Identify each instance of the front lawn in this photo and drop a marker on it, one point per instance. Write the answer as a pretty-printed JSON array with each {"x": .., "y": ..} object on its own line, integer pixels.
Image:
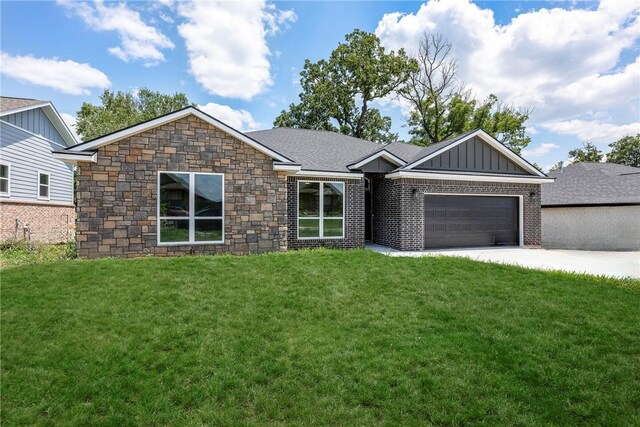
[{"x": 316, "y": 337}]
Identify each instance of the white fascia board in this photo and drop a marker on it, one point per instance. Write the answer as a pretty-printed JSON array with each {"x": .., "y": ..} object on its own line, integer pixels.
[
  {"x": 489, "y": 140},
  {"x": 323, "y": 174},
  {"x": 21, "y": 109},
  {"x": 74, "y": 158},
  {"x": 60, "y": 125},
  {"x": 287, "y": 167},
  {"x": 133, "y": 130},
  {"x": 390, "y": 157},
  {"x": 463, "y": 177}
]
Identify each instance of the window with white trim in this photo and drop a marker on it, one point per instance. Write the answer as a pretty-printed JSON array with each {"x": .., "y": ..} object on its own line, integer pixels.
[
  {"x": 191, "y": 208},
  {"x": 320, "y": 210},
  {"x": 4, "y": 179},
  {"x": 43, "y": 185}
]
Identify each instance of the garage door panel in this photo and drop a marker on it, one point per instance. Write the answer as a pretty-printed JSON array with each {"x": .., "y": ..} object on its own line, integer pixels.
[{"x": 463, "y": 221}]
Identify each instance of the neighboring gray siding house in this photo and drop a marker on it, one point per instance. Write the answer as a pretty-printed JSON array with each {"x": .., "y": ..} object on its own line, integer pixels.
[
  {"x": 592, "y": 206},
  {"x": 36, "y": 190},
  {"x": 187, "y": 183}
]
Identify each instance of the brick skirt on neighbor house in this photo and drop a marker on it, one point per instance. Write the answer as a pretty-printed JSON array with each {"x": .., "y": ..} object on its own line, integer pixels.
[{"x": 37, "y": 222}]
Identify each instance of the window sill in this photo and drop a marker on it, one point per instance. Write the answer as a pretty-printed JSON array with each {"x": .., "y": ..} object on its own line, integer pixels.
[
  {"x": 217, "y": 242},
  {"x": 322, "y": 238}
]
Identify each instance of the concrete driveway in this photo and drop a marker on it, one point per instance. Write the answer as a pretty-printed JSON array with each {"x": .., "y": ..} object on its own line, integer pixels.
[{"x": 614, "y": 264}]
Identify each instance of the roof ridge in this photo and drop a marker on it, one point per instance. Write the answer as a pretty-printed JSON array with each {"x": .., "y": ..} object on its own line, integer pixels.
[{"x": 317, "y": 130}]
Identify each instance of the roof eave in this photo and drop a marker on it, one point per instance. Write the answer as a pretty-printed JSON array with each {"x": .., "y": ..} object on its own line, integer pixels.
[
  {"x": 398, "y": 174},
  {"x": 75, "y": 157}
]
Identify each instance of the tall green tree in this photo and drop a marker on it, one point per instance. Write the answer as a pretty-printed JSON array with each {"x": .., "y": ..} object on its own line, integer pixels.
[
  {"x": 625, "y": 151},
  {"x": 441, "y": 106},
  {"x": 337, "y": 92},
  {"x": 122, "y": 109},
  {"x": 588, "y": 153}
]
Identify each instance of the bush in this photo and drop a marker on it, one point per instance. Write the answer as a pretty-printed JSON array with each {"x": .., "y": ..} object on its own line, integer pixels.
[{"x": 21, "y": 252}]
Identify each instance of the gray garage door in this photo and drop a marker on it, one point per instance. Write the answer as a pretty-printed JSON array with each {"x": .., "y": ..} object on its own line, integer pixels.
[{"x": 463, "y": 221}]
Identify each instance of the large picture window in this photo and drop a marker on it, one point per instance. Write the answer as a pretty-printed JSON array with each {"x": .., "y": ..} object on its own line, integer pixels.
[
  {"x": 191, "y": 208},
  {"x": 320, "y": 210}
]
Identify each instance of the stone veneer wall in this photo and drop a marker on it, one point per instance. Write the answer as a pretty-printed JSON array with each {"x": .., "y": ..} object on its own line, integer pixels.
[
  {"x": 353, "y": 221},
  {"x": 403, "y": 210},
  {"x": 37, "y": 222},
  {"x": 117, "y": 197}
]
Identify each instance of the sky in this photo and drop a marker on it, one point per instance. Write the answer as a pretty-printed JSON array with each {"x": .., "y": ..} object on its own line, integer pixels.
[{"x": 576, "y": 63}]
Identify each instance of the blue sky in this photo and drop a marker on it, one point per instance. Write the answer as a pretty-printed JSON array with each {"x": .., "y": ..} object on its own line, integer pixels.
[{"x": 576, "y": 63}]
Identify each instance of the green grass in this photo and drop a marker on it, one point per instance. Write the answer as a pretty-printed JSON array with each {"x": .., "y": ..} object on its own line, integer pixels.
[{"x": 316, "y": 338}]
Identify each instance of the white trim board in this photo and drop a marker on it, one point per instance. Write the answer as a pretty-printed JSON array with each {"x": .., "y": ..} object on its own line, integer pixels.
[
  {"x": 489, "y": 140},
  {"x": 73, "y": 158},
  {"x": 286, "y": 167},
  {"x": 520, "y": 209},
  {"x": 133, "y": 130},
  {"x": 21, "y": 109},
  {"x": 463, "y": 177},
  {"x": 388, "y": 156},
  {"x": 323, "y": 174}
]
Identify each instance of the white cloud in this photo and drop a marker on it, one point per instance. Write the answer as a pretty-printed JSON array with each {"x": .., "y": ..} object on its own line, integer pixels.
[
  {"x": 592, "y": 130},
  {"x": 138, "y": 40},
  {"x": 237, "y": 119},
  {"x": 71, "y": 123},
  {"x": 603, "y": 90},
  {"x": 563, "y": 62},
  {"x": 227, "y": 46},
  {"x": 66, "y": 76},
  {"x": 539, "y": 151}
]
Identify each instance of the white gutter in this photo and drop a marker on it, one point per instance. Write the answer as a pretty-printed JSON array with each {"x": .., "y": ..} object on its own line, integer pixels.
[
  {"x": 73, "y": 158},
  {"x": 321, "y": 174}
]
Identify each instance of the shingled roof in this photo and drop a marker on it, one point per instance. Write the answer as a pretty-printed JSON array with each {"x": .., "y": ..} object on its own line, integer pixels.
[
  {"x": 589, "y": 184},
  {"x": 316, "y": 149},
  {"x": 331, "y": 151},
  {"x": 8, "y": 103}
]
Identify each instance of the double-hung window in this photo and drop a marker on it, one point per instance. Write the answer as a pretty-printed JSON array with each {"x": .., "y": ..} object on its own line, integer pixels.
[
  {"x": 320, "y": 210},
  {"x": 4, "y": 179},
  {"x": 191, "y": 208},
  {"x": 43, "y": 186}
]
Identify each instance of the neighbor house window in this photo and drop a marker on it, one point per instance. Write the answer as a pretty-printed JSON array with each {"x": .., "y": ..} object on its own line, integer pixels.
[
  {"x": 320, "y": 210},
  {"x": 4, "y": 179},
  {"x": 191, "y": 207},
  {"x": 43, "y": 186}
]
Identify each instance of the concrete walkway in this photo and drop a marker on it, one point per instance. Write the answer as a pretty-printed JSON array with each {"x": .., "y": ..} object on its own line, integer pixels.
[{"x": 614, "y": 264}]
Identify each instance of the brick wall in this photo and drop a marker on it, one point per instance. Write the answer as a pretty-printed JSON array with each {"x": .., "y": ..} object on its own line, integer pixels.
[
  {"x": 37, "y": 222},
  {"x": 353, "y": 221},
  {"x": 399, "y": 211},
  {"x": 386, "y": 211},
  {"x": 117, "y": 197}
]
